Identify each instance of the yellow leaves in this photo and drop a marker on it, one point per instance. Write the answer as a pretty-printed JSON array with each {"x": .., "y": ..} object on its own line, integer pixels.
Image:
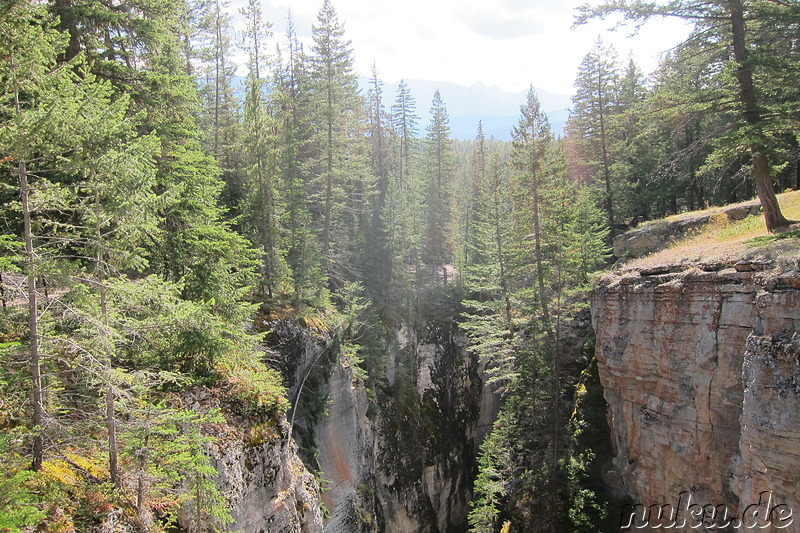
[
  {"x": 71, "y": 470},
  {"x": 91, "y": 466},
  {"x": 314, "y": 323},
  {"x": 61, "y": 472}
]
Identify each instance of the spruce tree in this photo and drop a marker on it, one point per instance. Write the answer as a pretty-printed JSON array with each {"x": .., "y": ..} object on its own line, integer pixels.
[
  {"x": 405, "y": 199},
  {"x": 439, "y": 154},
  {"x": 341, "y": 185},
  {"x": 595, "y": 103},
  {"x": 263, "y": 202},
  {"x": 727, "y": 23},
  {"x": 404, "y": 120},
  {"x": 291, "y": 103}
]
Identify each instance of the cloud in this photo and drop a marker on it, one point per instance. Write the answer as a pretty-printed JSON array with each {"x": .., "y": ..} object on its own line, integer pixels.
[
  {"x": 551, "y": 6},
  {"x": 496, "y": 25},
  {"x": 509, "y": 43}
]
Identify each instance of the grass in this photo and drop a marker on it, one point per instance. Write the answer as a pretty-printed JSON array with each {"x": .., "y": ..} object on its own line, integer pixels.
[{"x": 722, "y": 239}]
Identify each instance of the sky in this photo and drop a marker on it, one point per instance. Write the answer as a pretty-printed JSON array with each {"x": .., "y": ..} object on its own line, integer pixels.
[{"x": 512, "y": 44}]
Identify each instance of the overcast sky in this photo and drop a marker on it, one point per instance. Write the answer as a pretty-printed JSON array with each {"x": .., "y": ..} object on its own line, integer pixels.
[{"x": 508, "y": 43}]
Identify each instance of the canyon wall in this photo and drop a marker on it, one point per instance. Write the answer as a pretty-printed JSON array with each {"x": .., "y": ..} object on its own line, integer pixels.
[
  {"x": 259, "y": 472},
  {"x": 395, "y": 452},
  {"x": 699, "y": 366}
]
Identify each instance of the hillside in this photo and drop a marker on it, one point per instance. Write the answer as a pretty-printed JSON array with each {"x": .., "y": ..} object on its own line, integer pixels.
[{"x": 716, "y": 235}]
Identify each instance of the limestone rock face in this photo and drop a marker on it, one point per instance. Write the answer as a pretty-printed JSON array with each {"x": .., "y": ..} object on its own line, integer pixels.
[
  {"x": 267, "y": 485},
  {"x": 769, "y": 459},
  {"x": 700, "y": 372},
  {"x": 398, "y": 456}
]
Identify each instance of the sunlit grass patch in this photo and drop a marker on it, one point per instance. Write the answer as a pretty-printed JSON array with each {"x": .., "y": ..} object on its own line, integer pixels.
[{"x": 722, "y": 238}]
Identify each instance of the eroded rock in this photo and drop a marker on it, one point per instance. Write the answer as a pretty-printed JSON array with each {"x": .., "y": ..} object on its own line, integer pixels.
[{"x": 700, "y": 400}]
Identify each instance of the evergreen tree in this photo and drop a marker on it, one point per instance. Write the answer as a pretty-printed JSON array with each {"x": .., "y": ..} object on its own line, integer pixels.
[
  {"x": 377, "y": 254},
  {"x": 404, "y": 120},
  {"x": 220, "y": 118},
  {"x": 478, "y": 177},
  {"x": 263, "y": 199},
  {"x": 439, "y": 244},
  {"x": 342, "y": 188},
  {"x": 489, "y": 276},
  {"x": 633, "y": 162},
  {"x": 756, "y": 131},
  {"x": 405, "y": 199},
  {"x": 595, "y": 102},
  {"x": 291, "y": 101},
  {"x": 530, "y": 145},
  {"x": 89, "y": 178}
]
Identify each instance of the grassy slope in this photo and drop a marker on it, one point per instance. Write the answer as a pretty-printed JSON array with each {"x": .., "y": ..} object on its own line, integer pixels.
[{"x": 723, "y": 240}]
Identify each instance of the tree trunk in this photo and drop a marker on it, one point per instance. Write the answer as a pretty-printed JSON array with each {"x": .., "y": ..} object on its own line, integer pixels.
[
  {"x": 747, "y": 96},
  {"x": 33, "y": 319},
  {"x": 111, "y": 423},
  {"x": 606, "y": 163}
]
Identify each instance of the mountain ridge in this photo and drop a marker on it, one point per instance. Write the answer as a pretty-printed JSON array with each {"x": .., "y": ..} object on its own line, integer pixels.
[{"x": 497, "y": 108}]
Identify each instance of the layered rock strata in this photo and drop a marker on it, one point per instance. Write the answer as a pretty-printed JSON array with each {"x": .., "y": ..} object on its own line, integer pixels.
[{"x": 700, "y": 371}]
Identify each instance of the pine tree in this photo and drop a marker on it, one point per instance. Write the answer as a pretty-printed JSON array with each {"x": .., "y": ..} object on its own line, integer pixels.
[
  {"x": 754, "y": 133},
  {"x": 596, "y": 102},
  {"x": 439, "y": 245},
  {"x": 263, "y": 202},
  {"x": 378, "y": 258},
  {"x": 291, "y": 100},
  {"x": 404, "y": 120},
  {"x": 405, "y": 199},
  {"x": 220, "y": 118},
  {"x": 489, "y": 276},
  {"x": 633, "y": 162},
  {"x": 43, "y": 109},
  {"x": 342, "y": 189},
  {"x": 530, "y": 145},
  {"x": 479, "y": 167}
]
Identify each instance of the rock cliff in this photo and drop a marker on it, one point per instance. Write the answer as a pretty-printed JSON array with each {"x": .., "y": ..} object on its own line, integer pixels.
[
  {"x": 396, "y": 453},
  {"x": 700, "y": 369},
  {"x": 267, "y": 486}
]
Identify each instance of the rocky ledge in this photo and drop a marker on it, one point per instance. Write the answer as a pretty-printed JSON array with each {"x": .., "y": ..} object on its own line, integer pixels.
[
  {"x": 653, "y": 236},
  {"x": 701, "y": 372}
]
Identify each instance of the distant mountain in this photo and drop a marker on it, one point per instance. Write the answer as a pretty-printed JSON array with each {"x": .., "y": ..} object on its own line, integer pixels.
[{"x": 498, "y": 109}]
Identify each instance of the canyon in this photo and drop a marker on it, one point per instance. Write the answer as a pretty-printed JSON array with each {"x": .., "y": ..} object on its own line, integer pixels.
[
  {"x": 699, "y": 363},
  {"x": 399, "y": 456},
  {"x": 700, "y": 367}
]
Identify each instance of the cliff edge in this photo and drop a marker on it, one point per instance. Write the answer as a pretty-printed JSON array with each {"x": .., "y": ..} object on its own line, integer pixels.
[{"x": 700, "y": 365}]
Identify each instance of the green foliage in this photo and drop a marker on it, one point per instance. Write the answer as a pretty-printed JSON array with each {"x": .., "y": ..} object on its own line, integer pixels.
[
  {"x": 489, "y": 486},
  {"x": 439, "y": 244},
  {"x": 717, "y": 114},
  {"x": 19, "y": 503},
  {"x": 532, "y": 252},
  {"x": 258, "y": 387},
  {"x": 172, "y": 473}
]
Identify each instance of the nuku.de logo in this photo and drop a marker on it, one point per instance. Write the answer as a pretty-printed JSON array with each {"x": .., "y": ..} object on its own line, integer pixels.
[{"x": 754, "y": 517}]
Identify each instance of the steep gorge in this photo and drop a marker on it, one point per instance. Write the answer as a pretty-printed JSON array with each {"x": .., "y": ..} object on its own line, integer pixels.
[
  {"x": 395, "y": 454},
  {"x": 699, "y": 364}
]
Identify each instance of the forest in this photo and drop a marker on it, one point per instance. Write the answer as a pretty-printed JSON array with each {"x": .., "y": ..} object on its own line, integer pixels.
[{"x": 155, "y": 204}]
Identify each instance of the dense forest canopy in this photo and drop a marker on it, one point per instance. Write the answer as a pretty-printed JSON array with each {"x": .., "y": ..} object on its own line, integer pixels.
[{"x": 151, "y": 208}]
